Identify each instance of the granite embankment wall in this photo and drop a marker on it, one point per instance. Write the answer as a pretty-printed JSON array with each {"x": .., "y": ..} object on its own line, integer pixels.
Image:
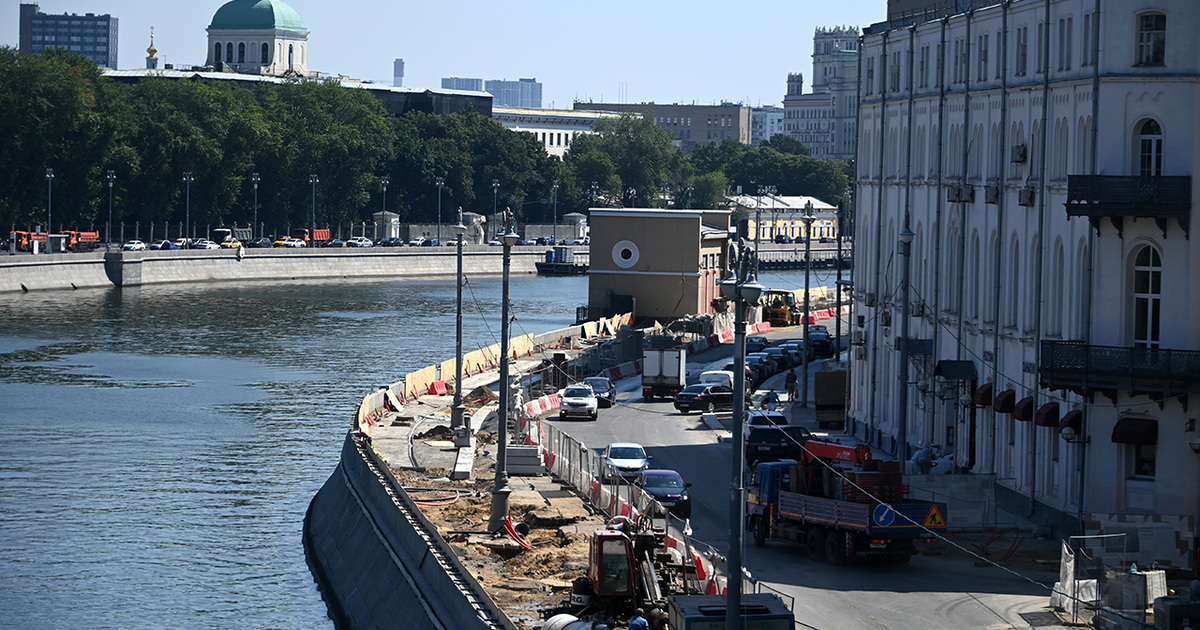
[{"x": 25, "y": 272}]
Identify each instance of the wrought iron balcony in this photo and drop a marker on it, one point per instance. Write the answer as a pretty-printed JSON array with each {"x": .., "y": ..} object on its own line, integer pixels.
[
  {"x": 1086, "y": 369},
  {"x": 1117, "y": 197}
]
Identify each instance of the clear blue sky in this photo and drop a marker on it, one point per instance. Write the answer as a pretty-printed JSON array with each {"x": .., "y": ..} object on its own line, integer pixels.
[{"x": 666, "y": 51}]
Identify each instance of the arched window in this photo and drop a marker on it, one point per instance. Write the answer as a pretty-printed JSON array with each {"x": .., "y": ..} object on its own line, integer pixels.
[
  {"x": 266, "y": 55},
  {"x": 291, "y": 56},
  {"x": 975, "y": 283},
  {"x": 1055, "y": 315},
  {"x": 1152, "y": 39},
  {"x": 1147, "y": 297},
  {"x": 1150, "y": 147},
  {"x": 1013, "y": 307},
  {"x": 217, "y": 52},
  {"x": 241, "y": 52},
  {"x": 229, "y": 52}
]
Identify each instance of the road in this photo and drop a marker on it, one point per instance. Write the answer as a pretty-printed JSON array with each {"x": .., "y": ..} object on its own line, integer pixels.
[{"x": 932, "y": 592}]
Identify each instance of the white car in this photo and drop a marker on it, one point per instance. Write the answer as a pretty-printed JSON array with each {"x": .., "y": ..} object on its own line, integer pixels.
[
  {"x": 295, "y": 242},
  {"x": 359, "y": 241},
  {"x": 578, "y": 401},
  {"x": 205, "y": 244},
  {"x": 134, "y": 246},
  {"x": 624, "y": 460}
]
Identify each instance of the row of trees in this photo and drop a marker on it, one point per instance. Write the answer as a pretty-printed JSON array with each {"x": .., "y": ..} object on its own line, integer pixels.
[{"x": 61, "y": 113}]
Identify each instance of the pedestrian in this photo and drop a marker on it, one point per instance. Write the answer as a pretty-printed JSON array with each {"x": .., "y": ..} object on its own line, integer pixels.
[
  {"x": 638, "y": 622},
  {"x": 791, "y": 382},
  {"x": 771, "y": 399}
]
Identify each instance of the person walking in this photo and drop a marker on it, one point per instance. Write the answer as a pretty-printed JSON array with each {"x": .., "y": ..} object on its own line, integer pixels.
[
  {"x": 791, "y": 382},
  {"x": 771, "y": 400}
]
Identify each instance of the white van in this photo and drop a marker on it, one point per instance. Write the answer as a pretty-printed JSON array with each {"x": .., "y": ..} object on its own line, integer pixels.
[{"x": 721, "y": 377}]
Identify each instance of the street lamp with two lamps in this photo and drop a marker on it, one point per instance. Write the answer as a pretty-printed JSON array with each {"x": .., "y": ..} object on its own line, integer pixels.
[
  {"x": 456, "y": 411},
  {"x": 312, "y": 179},
  {"x": 109, "y": 177},
  {"x": 187, "y": 210},
  {"x": 554, "y": 229},
  {"x": 49, "y": 204},
  {"x": 501, "y": 490},
  {"x": 439, "y": 182},
  {"x": 254, "y": 229},
  {"x": 632, "y": 197},
  {"x": 808, "y": 219},
  {"x": 495, "y": 215}
]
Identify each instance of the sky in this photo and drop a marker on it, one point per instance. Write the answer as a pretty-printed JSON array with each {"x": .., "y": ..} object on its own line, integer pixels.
[{"x": 621, "y": 51}]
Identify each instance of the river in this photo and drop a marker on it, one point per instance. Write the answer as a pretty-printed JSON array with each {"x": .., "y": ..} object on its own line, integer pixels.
[{"x": 159, "y": 445}]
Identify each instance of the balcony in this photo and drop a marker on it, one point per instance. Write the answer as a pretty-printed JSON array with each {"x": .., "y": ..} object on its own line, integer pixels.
[
  {"x": 1155, "y": 372},
  {"x": 1118, "y": 197}
]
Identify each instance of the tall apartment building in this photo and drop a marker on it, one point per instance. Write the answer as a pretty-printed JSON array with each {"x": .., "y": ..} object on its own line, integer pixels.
[
  {"x": 1026, "y": 286},
  {"x": 825, "y": 120},
  {"x": 765, "y": 122},
  {"x": 462, "y": 83},
  {"x": 692, "y": 125},
  {"x": 93, "y": 36},
  {"x": 520, "y": 93}
]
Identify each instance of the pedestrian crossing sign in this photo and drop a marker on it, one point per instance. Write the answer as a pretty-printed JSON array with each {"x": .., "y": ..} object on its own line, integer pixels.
[{"x": 934, "y": 517}]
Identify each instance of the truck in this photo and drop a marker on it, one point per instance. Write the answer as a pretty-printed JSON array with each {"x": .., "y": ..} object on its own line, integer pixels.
[
  {"x": 81, "y": 241},
  {"x": 829, "y": 397},
  {"x": 307, "y": 234},
  {"x": 780, "y": 308},
  {"x": 664, "y": 372},
  {"x": 839, "y": 512}
]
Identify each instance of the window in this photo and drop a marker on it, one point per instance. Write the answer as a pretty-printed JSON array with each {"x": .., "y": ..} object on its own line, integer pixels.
[
  {"x": 1143, "y": 460},
  {"x": 870, "y": 74},
  {"x": 265, "y": 54},
  {"x": 229, "y": 52},
  {"x": 217, "y": 52},
  {"x": 923, "y": 68},
  {"x": 1147, "y": 297},
  {"x": 999, "y": 50},
  {"x": 1152, "y": 39},
  {"x": 958, "y": 54},
  {"x": 1041, "y": 48},
  {"x": 1150, "y": 148},
  {"x": 983, "y": 58},
  {"x": 1022, "y": 50},
  {"x": 941, "y": 64},
  {"x": 896, "y": 71},
  {"x": 242, "y": 52}
]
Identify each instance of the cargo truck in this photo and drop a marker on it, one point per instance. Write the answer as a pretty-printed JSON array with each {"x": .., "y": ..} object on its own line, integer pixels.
[
  {"x": 664, "y": 372},
  {"x": 860, "y": 510},
  {"x": 308, "y": 234},
  {"x": 829, "y": 397}
]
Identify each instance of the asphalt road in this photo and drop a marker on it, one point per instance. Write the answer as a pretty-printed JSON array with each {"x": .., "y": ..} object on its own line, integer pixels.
[{"x": 932, "y": 592}]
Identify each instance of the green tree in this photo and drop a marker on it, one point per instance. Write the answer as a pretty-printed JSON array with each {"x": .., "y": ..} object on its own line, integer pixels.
[{"x": 641, "y": 150}]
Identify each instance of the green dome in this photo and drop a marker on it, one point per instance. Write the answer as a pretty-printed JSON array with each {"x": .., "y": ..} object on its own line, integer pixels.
[{"x": 256, "y": 15}]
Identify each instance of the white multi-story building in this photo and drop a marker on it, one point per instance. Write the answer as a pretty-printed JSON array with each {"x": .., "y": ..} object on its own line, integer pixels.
[
  {"x": 825, "y": 119},
  {"x": 555, "y": 129},
  {"x": 1036, "y": 156},
  {"x": 765, "y": 121}
]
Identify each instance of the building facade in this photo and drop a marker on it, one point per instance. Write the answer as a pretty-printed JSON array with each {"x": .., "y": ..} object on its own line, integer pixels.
[
  {"x": 462, "y": 83},
  {"x": 525, "y": 93},
  {"x": 263, "y": 37},
  {"x": 555, "y": 129},
  {"x": 826, "y": 118},
  {"x": 778, "y": 217},
  {"x": 93, "y": 36},
  {"x": 765, "y": 121},
  {"x": 1027, "y": 291},
  {"x": 692, "y": 125}
]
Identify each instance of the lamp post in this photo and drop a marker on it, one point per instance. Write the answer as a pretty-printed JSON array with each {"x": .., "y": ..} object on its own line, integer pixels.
[
  {"x": 595, "y": 187},
  {"x": 632, "y": 197},
  {"x": 439, "y": 182},
  {"x": 554, "y": 229},
  {"x": 456, "y": 412},
  {"x": 187, "y": 212},
  {"x": 109, "y": 177},
  {"x": 254, "y": 229},
  {"x": 495, "y": 215},
  {"x": 906, "y": 238},
  {"x": 501, "y": 491},
  {"x": 742, "y": 288},
  {"x": 49, "y": 204},
  {"x": 689, "y": 197},
  {"x": 312, "y": 179},
  {"x": 808, "y": 221}
]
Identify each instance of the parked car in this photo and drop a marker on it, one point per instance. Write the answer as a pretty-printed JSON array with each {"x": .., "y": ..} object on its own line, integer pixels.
[
  {"x": 161, "y": 245},
  {"x": 771, "y": 443},
  {"x": 452, "y": 243},
  {"x": 606, "y": 392},
  {"x": 783, "y": 359},
  {"x": 294, "y": 242},
  {"x": 416, "y": 242},
  {"x": 783, "y": 238},
  {"x": 232, "y": 243},
  {"x": 205, "y": 244},
  {"x": 261, "y": 242},
  {"x": 756, "y": 343},
  {"x": 334, "y": 242},
  {"x": 578, "y": 401},
  {"x": 183, "y": 243},
  {"x": 668, "y": 488},
  {"x": 826, "y": 239},
  {"x": 431, "y": 242},
  {"x": 764, "y": 363},
  {"x": 359, "y": 241},
  {"x": 704, "y": 397},
  {"x": 134, "y": 246},
  {"x": 623, "y": 460},
  {"x": 822, "y": 345}
]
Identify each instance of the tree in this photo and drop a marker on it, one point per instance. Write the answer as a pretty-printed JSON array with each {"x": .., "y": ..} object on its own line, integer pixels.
[
  {"x": 641, "y": 151},
  {"x": 784, "y": 143}
]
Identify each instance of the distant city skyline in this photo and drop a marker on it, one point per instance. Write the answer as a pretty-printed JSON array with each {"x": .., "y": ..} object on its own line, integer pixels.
[{"x": 669, "y": 52}]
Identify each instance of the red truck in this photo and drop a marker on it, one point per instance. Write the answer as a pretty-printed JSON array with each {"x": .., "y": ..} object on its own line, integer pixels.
[
  {"x": 306, "y": 234},
  {"x": 839, "y": 511}
]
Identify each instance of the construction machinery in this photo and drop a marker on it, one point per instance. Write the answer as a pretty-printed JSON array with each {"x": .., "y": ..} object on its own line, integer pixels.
[{"x": 780, "y": 308}]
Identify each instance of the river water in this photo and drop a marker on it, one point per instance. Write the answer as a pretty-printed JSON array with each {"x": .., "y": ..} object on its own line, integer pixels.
[{"x": 160, "y": 445}]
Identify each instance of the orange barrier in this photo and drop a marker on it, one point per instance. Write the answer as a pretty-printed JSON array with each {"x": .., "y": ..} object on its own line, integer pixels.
[{"x": 437, "y": 388}]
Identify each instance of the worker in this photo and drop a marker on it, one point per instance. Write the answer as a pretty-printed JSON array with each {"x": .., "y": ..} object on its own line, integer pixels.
[
  {"x": 791, "y": 382},
  {"x": 638, "y": 622}
]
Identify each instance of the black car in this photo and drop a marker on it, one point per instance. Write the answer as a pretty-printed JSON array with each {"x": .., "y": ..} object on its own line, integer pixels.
[
  {"x": 334, "y": 242},
  {"x": 756, "y": 343},
  {"x": 821, "y": 344},
  {"x": 606, "y": 392},
  {"x": 262, "y": 242},
  {"x": 704, "y": 397},
  {"x": 668, "y": 488},
  {"x": 765, "y": 443}
]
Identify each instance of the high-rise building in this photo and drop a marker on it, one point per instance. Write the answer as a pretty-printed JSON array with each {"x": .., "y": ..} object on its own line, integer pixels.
[
  {"x": 93, "y": 36},
  {"x": 463, "y": 83},
  {"x": 825, "y": 120},
  {"x": 398, "y": 73},
  {"x": 520, "y": 93},
  {"x": 692, "y": 125},
  {"x": 765, "y": 122}
]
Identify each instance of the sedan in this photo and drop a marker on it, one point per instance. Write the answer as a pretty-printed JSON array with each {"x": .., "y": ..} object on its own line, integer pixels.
[
  {"x": 606, "y": 392},
  {"x": 232, "y": 243},
  {"x": 772, "y": 443},
  {"x": 704, "y": 397},
  {"x": 134, "y": 246},
  {"x": 756, "y": 343},
  {"x": 578, "y": 401},
  {"x": 205, "y": 244},
  {"x": 668, "y": 488},
  {"x": 334, "y": 242},
  {"x": 262, "y": 242},
  {"x": 163, "y": 245},
  {"x": 359, "y": 241},
  {"x": 416, "y": 242},
  {"x": 623, "y": 460}
]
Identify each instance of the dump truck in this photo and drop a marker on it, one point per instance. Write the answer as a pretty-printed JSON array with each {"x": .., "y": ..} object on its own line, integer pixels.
[
  {"x": 836, "y": 511},
  {"x": 307, "y": 235},
  {"x": 664, "y": 372},
  {"x": 829, "y": 397}
]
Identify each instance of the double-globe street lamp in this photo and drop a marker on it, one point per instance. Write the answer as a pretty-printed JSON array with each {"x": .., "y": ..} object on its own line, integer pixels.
[
  {"x": 808, "y": 219},
  {"x": 439, "y": 182},
  {"x": 501, "y": 490},
  {"x": 254, "y": 229},
  {"x": 383, "y": 181},
  {"x": 109, "y": 177},
  {"x": 740, "y": 286},
  {"x": 495, "y": 215},
  {"x": 187, "y": 211},
  {"x": 312, "y": 179},
  {"x": 554, "y": 229},
  {"x": 456, "y": 412},
  {"x": 49, "y": 204}
]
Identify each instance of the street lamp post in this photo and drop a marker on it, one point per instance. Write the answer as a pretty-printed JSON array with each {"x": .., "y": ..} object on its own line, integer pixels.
[
  {"x": 595, "y": 187},
  {"x": 312, "y": 179},
  {"x": 439, "y": 182},
  {"x": 808, "y": 221},
  {"x": 187, "y": 211},
  {"x": 554, "y": 229},
  {"x": 254, "y": 229},
  {"x": 495, "y": 215},
  {"x": 742, "y": 288},
  {"x": 632, "y": 197},
  {"x": 906, "y": 239},
  {"x": 456, "y": 412},
  {"x": 689, "y": 197},
  {"x": 501, "y": 491},
  {"x": 49, "y": 204},
  {"x": 109, "y": 177}
]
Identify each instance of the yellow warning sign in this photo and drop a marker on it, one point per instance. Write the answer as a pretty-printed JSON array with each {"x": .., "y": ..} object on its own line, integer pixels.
[{"x": 934, "y": 517}]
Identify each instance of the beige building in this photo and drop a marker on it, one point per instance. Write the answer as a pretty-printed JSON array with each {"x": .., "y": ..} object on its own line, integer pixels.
[
  {"x": 660, "y": 264},
  {"x": 772, "y": 216},
  {"x": 692, "y": 125}
]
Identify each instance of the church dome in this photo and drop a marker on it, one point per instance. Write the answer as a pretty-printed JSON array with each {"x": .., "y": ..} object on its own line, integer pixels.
[{"x": 256, "y": 15}]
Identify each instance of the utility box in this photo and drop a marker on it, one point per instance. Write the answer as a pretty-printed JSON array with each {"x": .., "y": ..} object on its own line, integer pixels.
[{"x": 760, "y": 611}]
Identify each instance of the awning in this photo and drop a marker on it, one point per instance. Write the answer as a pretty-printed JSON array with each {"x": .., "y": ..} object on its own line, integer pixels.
[
  {"x": 1138, "y": 431},
  {"x": 1073, "y": 419},
  {"x": 955, "y": 370},
  {"x": 1005, "y": 401},
  {"x": 1023, "y": 409},
  {"x": 982, "y": 396},
  {"x": 1047, "y": 415}
]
